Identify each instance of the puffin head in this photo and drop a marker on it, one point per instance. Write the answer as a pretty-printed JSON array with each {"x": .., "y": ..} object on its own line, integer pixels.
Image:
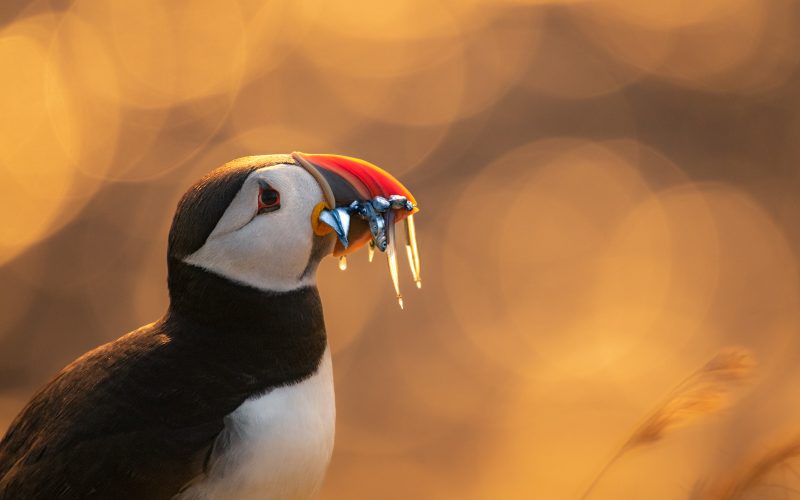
[{"x": 267, "y": 221}]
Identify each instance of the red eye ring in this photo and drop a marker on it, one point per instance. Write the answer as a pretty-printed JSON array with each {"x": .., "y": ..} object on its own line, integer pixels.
[{"x": 269, "y": 199}]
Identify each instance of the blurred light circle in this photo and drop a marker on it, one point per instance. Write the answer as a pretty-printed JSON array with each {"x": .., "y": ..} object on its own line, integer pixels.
[
  {"x": 568, "y": 66},
  {"x": 711, "y": 45},
  {"x": 445, "y": 74},
  {"x": 655, "y": 279},
  {"x": 84, "y": 68},
  {"x": 168, "y": 56},
  {"x": 42, "y": 135},
  {"x": 268, "y": 35},
  {"x": 431, "y": 95},
  {"x": 523, "y": 298},
  {"x": 143, "y": 146},
  {"x": 347, "y": 54},
  {"x": 293, "y": 98},
  {"x": 670, "y": 14},
  {"x": 375, "y": 65},
  {"x": 497, "y": 55},
  {"x": 388, "y": 20},
  {"x": 592, "y": 267},
  {"x": 751, "y": 50},
  {"x": 573, "y": 205},
  {"x": 155, "y": 142},
  {"x": 702, "y": 52},
  {"x": 398, "y": 149},
  {"x": 642, "y": 49},
  {"x": 758, "y": 288},
  {"x": 23, "y": 48}
]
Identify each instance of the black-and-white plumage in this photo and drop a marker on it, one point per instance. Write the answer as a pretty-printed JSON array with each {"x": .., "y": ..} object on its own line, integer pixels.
[{"x": 230, "y": 394}]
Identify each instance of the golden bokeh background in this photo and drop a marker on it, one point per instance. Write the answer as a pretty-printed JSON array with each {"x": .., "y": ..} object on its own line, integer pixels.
[{"x": 610, "y": 195}]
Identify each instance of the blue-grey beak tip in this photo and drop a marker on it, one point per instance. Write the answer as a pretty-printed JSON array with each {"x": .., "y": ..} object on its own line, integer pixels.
[{"x": 339, "y": 220}]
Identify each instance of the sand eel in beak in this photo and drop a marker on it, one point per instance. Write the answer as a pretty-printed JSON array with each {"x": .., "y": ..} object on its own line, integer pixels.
[{"x": 363, "y": 204}]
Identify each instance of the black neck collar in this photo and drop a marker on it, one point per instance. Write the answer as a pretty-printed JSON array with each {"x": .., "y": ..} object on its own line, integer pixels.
[{"x": 218, "y": 305}]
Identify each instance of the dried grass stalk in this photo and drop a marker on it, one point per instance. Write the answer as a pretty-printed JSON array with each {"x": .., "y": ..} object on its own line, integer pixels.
[
  {"x": 747, "y": 479},
  {"x": 705, "y": 391}
]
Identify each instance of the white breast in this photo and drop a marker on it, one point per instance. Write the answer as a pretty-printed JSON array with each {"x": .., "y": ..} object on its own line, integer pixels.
[{"x": 275, "y": 446}]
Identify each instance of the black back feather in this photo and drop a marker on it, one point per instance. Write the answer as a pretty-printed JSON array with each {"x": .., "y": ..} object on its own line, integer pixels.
[{"x": 136, "y": 418}]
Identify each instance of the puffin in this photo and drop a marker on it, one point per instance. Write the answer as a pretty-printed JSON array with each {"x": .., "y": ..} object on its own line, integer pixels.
[{"x": 230, "y": 394}]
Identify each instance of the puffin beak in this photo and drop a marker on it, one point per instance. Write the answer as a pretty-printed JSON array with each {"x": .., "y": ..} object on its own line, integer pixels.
[{"x": 362, "y": 205}]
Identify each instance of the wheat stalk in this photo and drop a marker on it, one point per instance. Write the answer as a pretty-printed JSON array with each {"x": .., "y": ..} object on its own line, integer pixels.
[{"x": 705, "y": 391}]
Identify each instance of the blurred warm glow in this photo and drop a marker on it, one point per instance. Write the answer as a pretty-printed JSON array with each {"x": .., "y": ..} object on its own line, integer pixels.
[{"x": 609, "y": 194}]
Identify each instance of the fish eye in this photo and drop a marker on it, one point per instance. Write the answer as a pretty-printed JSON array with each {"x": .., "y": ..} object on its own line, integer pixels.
[{"x": 269, "y": 199}]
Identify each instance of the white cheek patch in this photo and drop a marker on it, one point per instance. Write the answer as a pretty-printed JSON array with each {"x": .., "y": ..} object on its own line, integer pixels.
[{"x": 268, "y": 251}]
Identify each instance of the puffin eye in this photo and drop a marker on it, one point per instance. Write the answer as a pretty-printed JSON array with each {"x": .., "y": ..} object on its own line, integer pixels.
[{"x": 269, "y": 199}]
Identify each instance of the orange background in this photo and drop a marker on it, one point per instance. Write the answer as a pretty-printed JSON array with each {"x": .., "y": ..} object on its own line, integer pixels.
[{"x": 609, "y": 195}]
